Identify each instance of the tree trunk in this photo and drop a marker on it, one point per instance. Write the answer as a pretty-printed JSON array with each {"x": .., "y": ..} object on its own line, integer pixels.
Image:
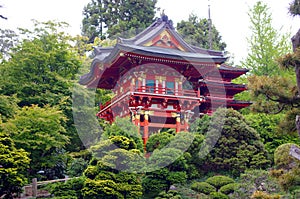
[{"x": 296, "y": 44}]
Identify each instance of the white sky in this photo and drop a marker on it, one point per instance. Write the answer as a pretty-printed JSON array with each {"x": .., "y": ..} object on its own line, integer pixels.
[{"x": 229, "y": 16}]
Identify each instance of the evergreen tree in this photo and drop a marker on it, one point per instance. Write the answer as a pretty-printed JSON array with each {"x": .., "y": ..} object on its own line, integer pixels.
[
  {"x": 109, "y": 18},
  {"x": 196, "y": 32}
]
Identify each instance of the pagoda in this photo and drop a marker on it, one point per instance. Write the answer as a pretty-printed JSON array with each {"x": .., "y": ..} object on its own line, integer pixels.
[{"x": 160, "y": 81}]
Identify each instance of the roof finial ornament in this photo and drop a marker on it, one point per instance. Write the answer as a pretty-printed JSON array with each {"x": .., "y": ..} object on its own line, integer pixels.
[{"x": 163, "y": 16}]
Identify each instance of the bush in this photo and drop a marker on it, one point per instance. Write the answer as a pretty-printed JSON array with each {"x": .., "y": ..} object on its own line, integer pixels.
[
  {"x": 218, "y": 195},
  {"x": 203, "y": 187},
  {"x": 238, "y": 146},
  {"x": 253, "y": 180},
  {"x": 171, "y": 194},
  {"x": 267, "y": 127},
  {"x": 282, "y": 159},
  {"x": 229, "y": 188},
  {"x": 219, "y": 181},
  {"x": 69, "y": 189},
  {"x": 263, "y": 195},
  {"x": 290, "y": 180}
]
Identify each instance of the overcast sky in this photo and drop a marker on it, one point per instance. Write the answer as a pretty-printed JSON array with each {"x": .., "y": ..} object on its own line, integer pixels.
[{"x": 229, "y": 16}]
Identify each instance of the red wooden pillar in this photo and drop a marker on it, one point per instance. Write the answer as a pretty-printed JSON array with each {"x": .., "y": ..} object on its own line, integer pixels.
[
  {"x": 146, "y": 128},
  {"x": 137, "y": 121},
  {"x": 186, "y": 123},
  {"x": 177, "y": 122}
]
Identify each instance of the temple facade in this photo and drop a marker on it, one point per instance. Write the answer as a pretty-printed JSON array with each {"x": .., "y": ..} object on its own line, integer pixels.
[{"x": 160, "y": 81}]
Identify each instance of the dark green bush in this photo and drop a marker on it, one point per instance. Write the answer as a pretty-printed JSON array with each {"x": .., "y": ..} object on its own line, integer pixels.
[
  {"x": 229, "y": 188},
  {"x": 236, "y": 146},
  {"x": 219, "y": 181},
  {"x": 203, "y": 187},
  {"x": 218, "y": 195}
]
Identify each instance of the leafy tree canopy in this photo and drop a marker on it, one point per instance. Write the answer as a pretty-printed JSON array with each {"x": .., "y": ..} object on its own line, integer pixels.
[
  {"x": 39, "y": 131},
  {"x": 109, "y": 18},
  {"x": 196, "y": 32}
]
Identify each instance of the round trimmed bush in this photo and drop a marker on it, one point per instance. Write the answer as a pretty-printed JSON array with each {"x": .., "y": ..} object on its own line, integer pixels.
[
  {"x": 228, "y": 189},
  {"x": 282, "y": 158},
  {"x": 203, "y": 187},
  {"x": 218, "y": 195},
  {"x": 219, "y": 181}
]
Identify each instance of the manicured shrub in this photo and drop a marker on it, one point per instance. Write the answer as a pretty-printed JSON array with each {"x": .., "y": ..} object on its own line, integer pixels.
[
  {"x": 236, "y": 146},
  {"x": 203, "y": 187},
  {"x": 219, "y": 181},
  {"x": 218, "y": 195},
  {"x": 229, "y": 188},
  {"x": 171, "y": 194}
]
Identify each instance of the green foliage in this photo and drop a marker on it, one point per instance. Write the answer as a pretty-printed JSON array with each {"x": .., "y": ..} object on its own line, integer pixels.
[
  {"x": 8, "y": 107},
  {"x": 69, "y": 189},
  {"x": 76, "y": 167},
  {"x": 49, "y": 64},
  {"x": 282, "y": 159},
  {"x": 40, "y": 132},
  {"x": 266, "y": 44},
  {"x": 273, "y": 94},
  {"x": 166, "y": 166},
  {"x": 203, "y": 187},
  {"x": 267, "y": 125},
  {"x": 113, "y": 173},
  {"x": 196, "y": 32},
  {"x": 219, "y": 181},
  {"x": 123, "y": 127},
  {"x": 13, "y": 165},
  {"x": 228, "y": 188},
  {"x": 171, "y": 194},
  {"x": 117, "y": 17},
  {"x": 8, "y": 40},
  {"x": 158, "y": 141},
  {"x": 253, "y": 180},
  {"x": 290, "y": 180},
  {"x": 218, "y": 195},
  {"x": 237, "y": 147}
]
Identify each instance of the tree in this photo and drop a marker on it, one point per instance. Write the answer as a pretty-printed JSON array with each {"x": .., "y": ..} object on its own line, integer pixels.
[
  {"x": 238, "y": 146},
  {"x": 49, "y": 64},
  {"x": 266, "y": 44},
  {"x": 8, "y": 40},
  {"x": 110, "y": 173},
  {"x": 196, "y": 32},
  {"x": 13, "y": 165},
  {"x": 108, "y": 18},
  {"x": 39, "y": 131}
]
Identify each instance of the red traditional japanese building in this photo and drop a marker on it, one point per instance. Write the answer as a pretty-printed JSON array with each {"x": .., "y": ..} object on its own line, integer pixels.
[{"x": 161, "y": 81}]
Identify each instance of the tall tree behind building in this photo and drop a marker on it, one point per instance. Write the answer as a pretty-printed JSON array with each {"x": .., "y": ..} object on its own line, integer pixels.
[
  {"x": 196, "y": 32},
  {"x": 105, "y": 18}
]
